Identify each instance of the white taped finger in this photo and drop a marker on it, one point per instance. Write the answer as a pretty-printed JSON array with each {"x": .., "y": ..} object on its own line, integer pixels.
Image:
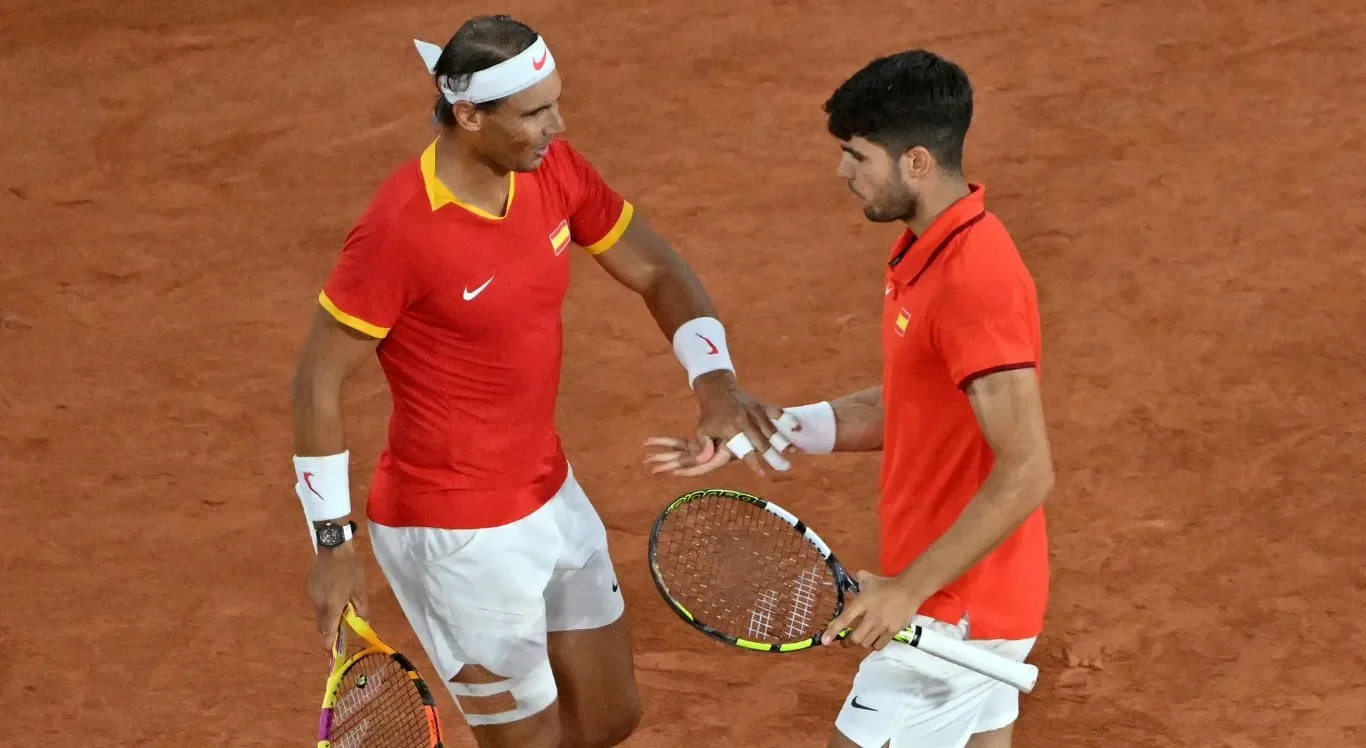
[
  {"x": 778, "y": 441},
  {"x": 740, "y": 446},
  {"x": 776, "y": 460},
  {"x": 787, "y": 421}
]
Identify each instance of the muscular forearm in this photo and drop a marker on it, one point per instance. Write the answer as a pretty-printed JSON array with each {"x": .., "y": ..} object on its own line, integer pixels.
[
  {"x": 858, "y": 421},
  {"x": 1006, "y": 499},
  {"x": 676, "y": 296},
  {"x": 318, "y": 425}
]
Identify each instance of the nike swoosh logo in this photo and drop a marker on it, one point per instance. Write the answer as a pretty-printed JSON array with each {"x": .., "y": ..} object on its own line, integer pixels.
[
  {"x": 471, "y": 294},
  {"x": 538, "y": 64},
  {"x": 857, "y": 705},
  {"x": 714, "y": 350},
  {"x": 308, "y": 481}
]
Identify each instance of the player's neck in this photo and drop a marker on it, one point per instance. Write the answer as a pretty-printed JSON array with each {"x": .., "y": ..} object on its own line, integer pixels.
[
  {"x": 936, "y": 199},
  {"x": 469, "y": 177}
]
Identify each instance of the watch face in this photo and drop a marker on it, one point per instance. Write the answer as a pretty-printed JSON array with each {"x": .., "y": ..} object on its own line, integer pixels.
[{"x": 330, "y": 535}]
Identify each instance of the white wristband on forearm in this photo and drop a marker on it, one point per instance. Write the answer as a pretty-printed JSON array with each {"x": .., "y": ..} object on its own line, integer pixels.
[
  {"x": 818, "y": 427},
  {"x": 324, "y": 485},
  {"x": 700, "y": 345}
]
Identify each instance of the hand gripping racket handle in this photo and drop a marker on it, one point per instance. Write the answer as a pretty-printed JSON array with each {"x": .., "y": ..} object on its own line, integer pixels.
[{"x": 1021, "y": 675}]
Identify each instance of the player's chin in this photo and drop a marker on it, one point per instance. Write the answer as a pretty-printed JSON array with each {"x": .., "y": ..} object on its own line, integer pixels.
[{"x": 872, "y": 213}]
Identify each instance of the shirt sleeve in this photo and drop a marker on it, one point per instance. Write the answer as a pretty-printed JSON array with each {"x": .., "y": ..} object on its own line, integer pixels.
[
  {"x": 598, "y": 216},
  {"x": 985, "y": 324},
  {"x": 370, "y": 285}
]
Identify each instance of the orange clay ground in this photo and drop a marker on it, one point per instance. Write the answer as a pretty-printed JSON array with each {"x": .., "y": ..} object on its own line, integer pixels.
[{"x": 1184, "y": 179}]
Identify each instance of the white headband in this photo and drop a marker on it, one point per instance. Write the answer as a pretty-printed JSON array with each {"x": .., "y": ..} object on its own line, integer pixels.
[{"x": 518, "y": 73}]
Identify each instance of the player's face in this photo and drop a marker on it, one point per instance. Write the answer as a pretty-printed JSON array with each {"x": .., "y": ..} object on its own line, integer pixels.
[
  {"x": 519, "y": 131},
  {"x": 875, "y": 178}
]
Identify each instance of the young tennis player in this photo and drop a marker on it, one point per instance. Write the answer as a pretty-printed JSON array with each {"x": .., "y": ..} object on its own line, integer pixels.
[
  {"x": 958, "y": 417},
  {"x": 454, "y": 277}
]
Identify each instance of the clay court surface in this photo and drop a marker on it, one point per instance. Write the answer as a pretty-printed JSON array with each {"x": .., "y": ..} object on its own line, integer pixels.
[{"x": 1184, "y": 179}]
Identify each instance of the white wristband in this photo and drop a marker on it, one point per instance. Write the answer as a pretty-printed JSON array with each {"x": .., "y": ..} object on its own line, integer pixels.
[
  {"x": 324, "y": 485},
  {"x": 700, "y": 345},
  {"x": 818, "y": 427}
]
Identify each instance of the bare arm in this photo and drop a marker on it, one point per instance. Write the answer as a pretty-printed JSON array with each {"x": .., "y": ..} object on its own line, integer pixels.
[
  {"x": 858, "y": 421},
  {"x": 1009, "y": 408},
  {"x": 643, "y": 262},
  {"x": 330, "y": 355}
]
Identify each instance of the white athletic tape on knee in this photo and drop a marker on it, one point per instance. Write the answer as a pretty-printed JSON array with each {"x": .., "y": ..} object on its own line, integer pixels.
[{"x": 532, "y": 693}]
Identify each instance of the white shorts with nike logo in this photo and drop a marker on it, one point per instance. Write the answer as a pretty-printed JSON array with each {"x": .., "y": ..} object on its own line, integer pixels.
[
  {"x": 905, "y": 697},
  {"x": 488, "y": 597}
]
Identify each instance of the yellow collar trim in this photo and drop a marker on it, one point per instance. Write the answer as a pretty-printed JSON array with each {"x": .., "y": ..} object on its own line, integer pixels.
[{"x": 440, "y": 195}]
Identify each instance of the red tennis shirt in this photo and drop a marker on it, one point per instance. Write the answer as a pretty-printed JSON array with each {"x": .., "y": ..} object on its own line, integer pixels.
[
  {"x": 959, "y": 304},
  {"x": 468, "y": 308}
]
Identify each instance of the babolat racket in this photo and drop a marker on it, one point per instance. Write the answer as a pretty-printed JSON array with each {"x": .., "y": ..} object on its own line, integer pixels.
[
  {"x": 374, "y": 697},
  {"x": 746, "y": 572}
]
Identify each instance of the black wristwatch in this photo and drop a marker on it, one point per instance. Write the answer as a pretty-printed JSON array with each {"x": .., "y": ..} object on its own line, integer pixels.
[{"x": 331, "y": 535}]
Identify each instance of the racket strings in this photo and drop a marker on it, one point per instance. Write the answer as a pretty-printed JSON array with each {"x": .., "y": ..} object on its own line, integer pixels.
[
  {"x": 744, "y": 571},
  {"x": 379, "y": 706}
]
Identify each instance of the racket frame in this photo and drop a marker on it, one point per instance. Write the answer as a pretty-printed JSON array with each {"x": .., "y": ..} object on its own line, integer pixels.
[
  {"x": 1022, "y": 676},
  {"x": 341, "y": 664},
  {"x": 836, "y": 569}
]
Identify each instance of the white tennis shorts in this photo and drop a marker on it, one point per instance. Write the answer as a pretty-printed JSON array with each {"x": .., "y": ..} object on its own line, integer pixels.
[
  {"x": 488, "y": 597},
  {"x": 907, "y": 697}
]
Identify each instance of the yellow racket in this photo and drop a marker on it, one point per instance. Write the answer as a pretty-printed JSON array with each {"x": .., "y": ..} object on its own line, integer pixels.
[{"x": 374, "y": 697}]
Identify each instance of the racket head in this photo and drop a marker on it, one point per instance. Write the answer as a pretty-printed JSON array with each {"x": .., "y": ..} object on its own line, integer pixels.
[
  {"x": 745, "y": 572},
  {"x": 374, "y": 696}
]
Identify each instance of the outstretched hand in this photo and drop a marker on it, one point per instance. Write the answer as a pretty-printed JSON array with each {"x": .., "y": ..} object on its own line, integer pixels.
[{"x": 702, "y": 454}]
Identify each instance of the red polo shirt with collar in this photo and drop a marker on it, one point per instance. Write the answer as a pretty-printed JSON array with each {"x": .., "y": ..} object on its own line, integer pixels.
[
  {"x": 467, "y": 306},
  {"x": 959, "y": 304}
]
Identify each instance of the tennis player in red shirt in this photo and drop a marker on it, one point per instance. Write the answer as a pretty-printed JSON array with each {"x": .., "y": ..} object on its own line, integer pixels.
[
  {"x": 958, "y": 418},
  {"x": 454, "y": 277}
]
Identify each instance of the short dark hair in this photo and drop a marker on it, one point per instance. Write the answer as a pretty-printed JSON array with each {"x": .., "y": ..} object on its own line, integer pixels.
[
  {"x": 480, "y": 43},
  {"x": 905, "y": 100}
]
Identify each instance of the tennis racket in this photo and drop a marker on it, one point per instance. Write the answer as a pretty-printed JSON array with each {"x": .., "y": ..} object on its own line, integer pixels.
[
  {"x": 374, "y": 697},
  {"x": 746, "y": 572}
]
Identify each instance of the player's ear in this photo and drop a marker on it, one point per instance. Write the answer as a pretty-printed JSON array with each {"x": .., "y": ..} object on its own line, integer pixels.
[
  {"x": 915, "y": 163},
  {"x": 468, "y": 117}
]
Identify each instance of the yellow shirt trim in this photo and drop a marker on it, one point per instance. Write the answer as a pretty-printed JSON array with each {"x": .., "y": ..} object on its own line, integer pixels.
[
  {"x": 440, "y": 195},
  {"x": 355, "y": 323},
  {"x": 607, "y": 242}
]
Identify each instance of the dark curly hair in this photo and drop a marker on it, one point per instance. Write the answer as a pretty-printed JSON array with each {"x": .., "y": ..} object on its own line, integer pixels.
[
  {"x": 480, "y": 43},
  {"x": 902, "y": 101}
]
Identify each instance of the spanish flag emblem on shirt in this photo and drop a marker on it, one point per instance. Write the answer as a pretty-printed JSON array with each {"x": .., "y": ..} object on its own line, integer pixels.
[
  {"x": 903, "y": 318},
  {"x": 559, "y": 238}
]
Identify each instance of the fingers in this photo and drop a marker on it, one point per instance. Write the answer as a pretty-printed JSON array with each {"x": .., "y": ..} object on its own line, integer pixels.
[
  {"x": 721, "y": 458},
  {"x": 328, "y": 613},
  {"x": 360, "y": 599},
  {"x": 843, "y": 621},
  {"x": 676, "y": 455},
  {"x": 741, "y": 445},
  {"x": 758, "y": 430}
]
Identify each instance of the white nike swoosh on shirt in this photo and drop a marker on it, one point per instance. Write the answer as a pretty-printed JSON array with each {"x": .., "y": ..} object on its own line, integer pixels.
[{"x": 471, "y": 294}]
